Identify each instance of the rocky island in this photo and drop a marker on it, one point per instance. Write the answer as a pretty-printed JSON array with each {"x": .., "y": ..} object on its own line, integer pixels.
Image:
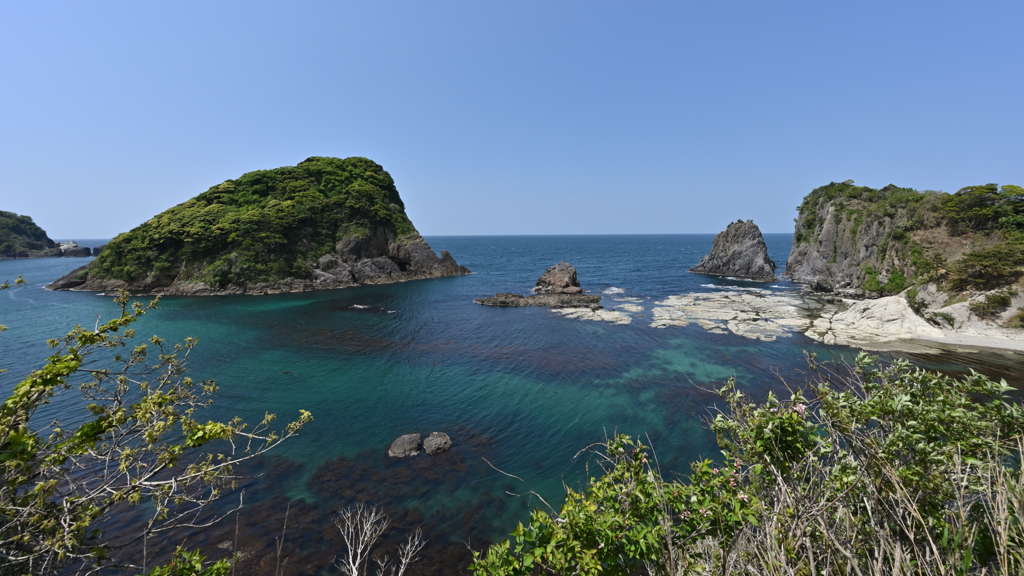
[
  {"x": 324, "y": 223},
  {"x": 739, "y": 251},
  {"x": 557, "y": 287}
]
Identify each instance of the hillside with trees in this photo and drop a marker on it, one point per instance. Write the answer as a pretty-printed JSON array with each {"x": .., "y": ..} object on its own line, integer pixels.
[
  {"x": 20, "y": 237},
  {"x": 270, "y": 231}
]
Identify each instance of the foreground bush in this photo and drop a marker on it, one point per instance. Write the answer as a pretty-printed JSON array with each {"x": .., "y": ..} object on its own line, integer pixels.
[
  {"x": 140, "y": 441},
  {"x": 890, "y": 470}
]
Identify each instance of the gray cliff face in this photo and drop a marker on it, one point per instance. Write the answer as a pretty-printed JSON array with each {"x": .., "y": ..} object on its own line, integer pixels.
[
  {"x": 838, "y": 242},
  {"x": 375, "y": 258},
  {"x": 738, "y": 251}
]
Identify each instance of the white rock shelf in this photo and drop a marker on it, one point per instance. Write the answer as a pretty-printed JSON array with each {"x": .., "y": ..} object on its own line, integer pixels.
[
  {"x": 756, "y": 314},
  {"x": 881, "y": 324}
]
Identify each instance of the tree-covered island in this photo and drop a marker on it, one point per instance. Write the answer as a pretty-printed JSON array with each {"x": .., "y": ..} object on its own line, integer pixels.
[{"x": 324, "y": 223}]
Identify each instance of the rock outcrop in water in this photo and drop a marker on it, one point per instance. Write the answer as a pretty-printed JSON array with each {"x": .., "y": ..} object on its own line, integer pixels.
[
  {"x": 405, "y": 445},
  {"x": 506, "y": 300},
  {"x": 325, "y": 223},
  {"x": 557, "y": 287},
  {"x": 436, "y": 443},
  {"x": 739, "y": 251},
  {"x": 559, "y": 279},
  {"x": 73, "y": 250}
]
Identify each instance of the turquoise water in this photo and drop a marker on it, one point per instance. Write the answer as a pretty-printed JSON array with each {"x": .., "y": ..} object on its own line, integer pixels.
[{"x": 522, "y": 390}]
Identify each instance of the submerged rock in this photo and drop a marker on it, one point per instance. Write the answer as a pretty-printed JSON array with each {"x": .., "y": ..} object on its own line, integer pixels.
[
  {"x": 405, "y": 445},
  {"x": 559, "y": 279},
  {"x": 739, "y": 251},
  {"x": 436, "y": 443}
]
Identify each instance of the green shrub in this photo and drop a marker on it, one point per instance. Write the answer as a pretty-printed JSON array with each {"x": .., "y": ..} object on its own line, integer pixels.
[
  {"x": 917, "y": 304},
  {"x": 993, "y": 304},
  {"x": 871, "y": 284},
  {"x": 882, "y": 470},
  {"x": 946, "y": 317},
  {"x": 1017, "y": 320},
  {"x": 988, "y": 268},
  {"x": 895, "y": 284}
]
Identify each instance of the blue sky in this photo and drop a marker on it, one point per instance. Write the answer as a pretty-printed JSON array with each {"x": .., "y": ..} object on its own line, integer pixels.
[{"x": 507, "y": 118}]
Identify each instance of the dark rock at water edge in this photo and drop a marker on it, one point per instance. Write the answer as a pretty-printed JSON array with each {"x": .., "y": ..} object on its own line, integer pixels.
[
  {"x": 73, "y": 250},
  {"x": 405, "y": 445},
  {"x": 436, "y": 443},
  {"x": 739, "y": 251},
  {"x": 97, "y": 249},
  {"x": 506, "y": 300},
  {"x": 559, "y": 279}
]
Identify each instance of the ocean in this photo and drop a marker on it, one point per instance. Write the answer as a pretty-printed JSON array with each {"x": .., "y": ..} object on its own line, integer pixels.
[{"x": 523, "y": 392}]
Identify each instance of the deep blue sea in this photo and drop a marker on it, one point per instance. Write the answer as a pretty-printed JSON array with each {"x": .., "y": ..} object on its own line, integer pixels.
[{"x": 522, "y": 390}]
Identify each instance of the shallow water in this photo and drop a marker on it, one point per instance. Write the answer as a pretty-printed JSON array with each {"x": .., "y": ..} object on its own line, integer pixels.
[{"x": 523, "y": 389}]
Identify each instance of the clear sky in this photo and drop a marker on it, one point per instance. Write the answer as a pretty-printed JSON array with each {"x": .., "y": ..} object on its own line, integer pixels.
[{"x": 508, "y": 117}]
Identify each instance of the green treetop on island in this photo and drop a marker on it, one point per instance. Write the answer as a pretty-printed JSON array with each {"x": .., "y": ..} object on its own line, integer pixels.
[{"x": 263, "y": 226}]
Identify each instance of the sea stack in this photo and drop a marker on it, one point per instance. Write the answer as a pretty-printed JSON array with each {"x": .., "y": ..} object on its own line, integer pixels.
[
  {"x": 558, "y": 279},
  {"x": 739, "y": 251}
]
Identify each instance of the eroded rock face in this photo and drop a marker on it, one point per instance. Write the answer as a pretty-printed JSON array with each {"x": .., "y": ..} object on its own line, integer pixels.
[
  {"x": 739, "y": 251},
  {"x": 559, "y": 279},
  {"x": 405, "y": 445},
  {"x": 436, "y": 443}
]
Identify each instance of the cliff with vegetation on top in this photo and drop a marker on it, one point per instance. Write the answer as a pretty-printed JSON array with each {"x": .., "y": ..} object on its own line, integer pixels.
[
  {"x": 957, "y": 258},
  {"x": 324, "y": 223}
]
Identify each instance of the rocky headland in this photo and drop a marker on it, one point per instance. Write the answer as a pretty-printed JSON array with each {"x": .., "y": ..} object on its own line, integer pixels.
[
  {"x": 914, "y": 265},
  {"x": 739, "y": 251},
  {"x": 324, "y": 223}
]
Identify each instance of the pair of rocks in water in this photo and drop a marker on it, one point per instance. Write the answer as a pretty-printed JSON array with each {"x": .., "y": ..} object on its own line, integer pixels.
[
  {"x": 557, "y": 287},
  {"x": 410, "y": 444}
]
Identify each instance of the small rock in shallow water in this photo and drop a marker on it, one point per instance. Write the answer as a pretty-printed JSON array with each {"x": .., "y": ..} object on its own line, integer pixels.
[
  {"x": 436, "y": 443},
  {"x": 405, "y": 445}
]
